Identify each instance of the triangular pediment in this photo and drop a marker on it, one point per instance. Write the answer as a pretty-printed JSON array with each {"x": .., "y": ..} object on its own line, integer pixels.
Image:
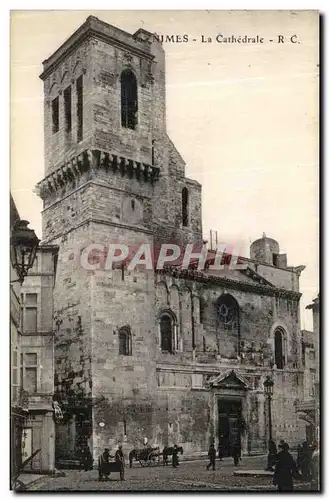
[
  {"x": 247, "y": 275},
  {"x": 229, "y": 379},
  {"x": 255, "y": 277}
]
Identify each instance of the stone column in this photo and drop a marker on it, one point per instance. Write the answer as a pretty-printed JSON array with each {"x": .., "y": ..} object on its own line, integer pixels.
[
  {"x": 72, "y": 435},
  {"x": 261, "y": 418},
  {"x": 48, "y": 442},
  {"x": 213, "y": 423},
  {"x": 245, "y": 403}
]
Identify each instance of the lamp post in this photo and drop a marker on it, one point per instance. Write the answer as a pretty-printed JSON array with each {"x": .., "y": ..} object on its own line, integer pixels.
[
  {"x": 23, "y": 248},
  {"x": 268, "y": 389}
]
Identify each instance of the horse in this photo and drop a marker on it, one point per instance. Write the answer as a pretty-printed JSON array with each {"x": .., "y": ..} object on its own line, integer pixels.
[{"x": 168, "y": 451}]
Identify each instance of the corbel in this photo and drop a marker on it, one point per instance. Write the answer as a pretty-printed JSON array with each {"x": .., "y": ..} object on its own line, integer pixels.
[{"x": 102, "y": 159}]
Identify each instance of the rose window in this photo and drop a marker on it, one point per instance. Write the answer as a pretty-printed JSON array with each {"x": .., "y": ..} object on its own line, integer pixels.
[{"x": 227, "y": 312}]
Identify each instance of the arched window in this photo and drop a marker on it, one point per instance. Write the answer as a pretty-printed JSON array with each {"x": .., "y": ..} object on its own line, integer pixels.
[
  {"x": 125, "y": 341},
  {"x": 129, "y": 105},
  {"x": 279, "y": 336},
  {"x": 185, "y": 206},
  {"x": 167, "y": 332}
]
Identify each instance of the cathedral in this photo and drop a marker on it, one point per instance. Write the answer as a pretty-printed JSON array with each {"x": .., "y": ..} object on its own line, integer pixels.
[{"x": 178, "y": 356}]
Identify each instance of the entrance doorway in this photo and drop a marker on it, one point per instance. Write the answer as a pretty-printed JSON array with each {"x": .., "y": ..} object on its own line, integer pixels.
[{"x": 229, "y": 424}]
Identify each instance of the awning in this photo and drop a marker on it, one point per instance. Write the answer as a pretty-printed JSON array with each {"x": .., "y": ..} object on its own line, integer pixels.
[{"x": 307, "y": 417}]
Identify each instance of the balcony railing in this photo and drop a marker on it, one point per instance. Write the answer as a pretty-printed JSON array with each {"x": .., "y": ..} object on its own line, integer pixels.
[{"x": 36, "y": 401}]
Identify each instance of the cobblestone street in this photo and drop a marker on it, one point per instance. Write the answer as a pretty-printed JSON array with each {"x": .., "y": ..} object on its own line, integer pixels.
[{"x": 190, "y": 476}]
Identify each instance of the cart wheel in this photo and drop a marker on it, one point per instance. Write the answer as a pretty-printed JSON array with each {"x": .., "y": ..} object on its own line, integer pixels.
[{"x": 155, "y": 460}]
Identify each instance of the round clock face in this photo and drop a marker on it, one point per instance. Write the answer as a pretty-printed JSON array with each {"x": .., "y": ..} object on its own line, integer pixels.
[{"x": 101, "y": 424}]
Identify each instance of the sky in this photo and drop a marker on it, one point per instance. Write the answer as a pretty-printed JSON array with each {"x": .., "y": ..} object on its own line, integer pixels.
[{"x": 243, "y": 116}]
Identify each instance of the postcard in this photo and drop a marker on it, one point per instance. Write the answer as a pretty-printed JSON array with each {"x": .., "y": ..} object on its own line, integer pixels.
[{"x": 164, "y": 251}]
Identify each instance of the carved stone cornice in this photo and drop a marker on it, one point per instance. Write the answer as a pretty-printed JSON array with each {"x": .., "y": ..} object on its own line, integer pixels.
[
  {"x": 202, "y": 277},
  {"x": 92, "y": 160}
]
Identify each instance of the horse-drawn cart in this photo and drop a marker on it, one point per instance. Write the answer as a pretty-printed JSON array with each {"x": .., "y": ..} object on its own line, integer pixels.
[
  {"x": 150, "y": 457},
  {"x": 147, "y": 457}
]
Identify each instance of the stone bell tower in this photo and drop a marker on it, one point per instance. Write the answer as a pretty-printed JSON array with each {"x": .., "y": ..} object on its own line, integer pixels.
[{"x": 111, "y": 175}]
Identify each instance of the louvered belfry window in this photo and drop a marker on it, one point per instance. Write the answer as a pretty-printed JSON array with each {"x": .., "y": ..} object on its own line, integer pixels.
[{"x": 129, "y": 104}]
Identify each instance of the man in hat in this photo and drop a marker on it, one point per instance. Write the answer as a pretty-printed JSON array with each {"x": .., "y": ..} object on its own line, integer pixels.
[
  {"x": 104, "y": 465},
  {"x": 285, "y": 469},
  {"x": 86, "y": 458},
  {"x": 221, "y": 447},
  {"x": 236, "y": 449},
  {"x": 271, "y": 457},
  {"x": 304, "y": 463},
  {"x": 119, "y": 459},
  {"x": 175, "y": 461},
  {"x": 212, "y": 457}
]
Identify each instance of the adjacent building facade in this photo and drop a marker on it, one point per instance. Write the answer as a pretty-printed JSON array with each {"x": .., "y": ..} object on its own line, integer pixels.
[
  {"x": 315, "y": 307},
  {"x": 178, "y": 356},
  {"x": 32, "y": 363},
  {"x": 18, "y": 400},
  {"x": 306, "y": 407},
  {"x": 37, "y": 360}
]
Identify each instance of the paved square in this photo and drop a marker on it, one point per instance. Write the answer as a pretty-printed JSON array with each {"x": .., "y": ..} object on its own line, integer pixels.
[{"x": 189, "y": 476}]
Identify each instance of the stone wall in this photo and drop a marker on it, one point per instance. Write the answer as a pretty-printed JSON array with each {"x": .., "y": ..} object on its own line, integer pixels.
[{"x": 281, "y": 278}]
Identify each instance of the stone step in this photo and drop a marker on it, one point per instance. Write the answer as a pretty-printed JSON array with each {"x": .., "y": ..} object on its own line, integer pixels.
[
  {"x": 253, "y": 472},
  {"x": 67, "y": 463}
]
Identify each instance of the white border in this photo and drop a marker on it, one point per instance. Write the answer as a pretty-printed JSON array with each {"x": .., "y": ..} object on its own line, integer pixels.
[{"x": 4, "y": 185}]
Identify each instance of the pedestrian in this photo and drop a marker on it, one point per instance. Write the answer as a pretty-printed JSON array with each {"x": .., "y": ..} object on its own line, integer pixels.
[
  {"x": 119, "y": 459},
  {"x": 221, "y": 447},
  {"x": 236, "y": 450},
  {"x": 87, "y": 458},
  {"x": 212, "y": 457},
  {"x": 104, "y": 465},
  {"x": 271, "y": 457},
  {"x": 315, "y": 470},
  {"x": 175, "y": 462},
  {"x": 305, "y": 460},
  {"x": 145, "y": 441},
  {"x": 299, "y": 456},
  {"x": 285, "y": 469}
]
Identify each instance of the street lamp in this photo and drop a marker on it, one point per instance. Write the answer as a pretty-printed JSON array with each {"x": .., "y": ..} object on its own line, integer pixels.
[
  {"x": 268, "y": 389},
  {"x": 23, "y": 248}
]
